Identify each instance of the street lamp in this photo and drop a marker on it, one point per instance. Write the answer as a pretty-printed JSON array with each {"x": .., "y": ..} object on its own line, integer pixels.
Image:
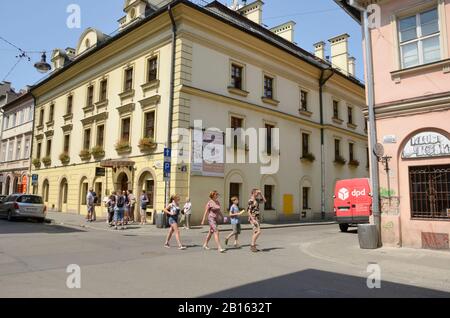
[{"x": 43, "y": 66}]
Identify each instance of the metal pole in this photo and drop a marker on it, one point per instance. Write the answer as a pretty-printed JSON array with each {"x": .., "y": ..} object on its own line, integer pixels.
[{"x": 372, "y": 127}]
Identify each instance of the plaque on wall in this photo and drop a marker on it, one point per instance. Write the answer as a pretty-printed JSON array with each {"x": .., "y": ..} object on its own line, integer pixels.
[{"x": 427, "y": 145}]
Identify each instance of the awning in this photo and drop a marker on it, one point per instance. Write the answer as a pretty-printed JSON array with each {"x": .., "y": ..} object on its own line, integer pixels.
[{"x": 117, "y": 163}]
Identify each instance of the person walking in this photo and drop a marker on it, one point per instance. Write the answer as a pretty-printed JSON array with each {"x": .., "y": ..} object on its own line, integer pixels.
[
  {"x": 235, "y": 222},
  {"x": 215, "y": 216},
  {"x": 94, "y": 215},
  {"x": 173, "y": 211},
  {"x": 126, "y": 207},
  {"x": 90, "y": 205},
  {"x": 144, "y": 202},
  {"x": 254, "y": 217},
  {"x": 110, "y": 206},
  {"x": 119, "y": 211},
  {"x": 187, "y": 213},
  {"x": 132, "y": 205}
]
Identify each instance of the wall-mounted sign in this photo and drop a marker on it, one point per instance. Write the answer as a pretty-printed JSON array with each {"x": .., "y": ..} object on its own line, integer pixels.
[
  {"x": 425, "y": 145},
  {"x": 34, "y": 179},
  {"x": 208, "y": 154},
  {"x": 100, "y": 172}
]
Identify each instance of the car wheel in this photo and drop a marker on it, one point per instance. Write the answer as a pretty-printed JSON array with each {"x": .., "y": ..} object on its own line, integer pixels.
[
  {"x": 10, "y": 216},
  {"x": 343, "y": 227},
  {"x": 40, "y": 220}
]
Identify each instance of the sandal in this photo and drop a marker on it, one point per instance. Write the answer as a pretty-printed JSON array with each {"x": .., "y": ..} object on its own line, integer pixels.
[
  {"x": 222, "y": 250},
  {"x": 167, "y": 245},
  {"x": 254, "y": 249},
  {"x": 205, "y": 247},
  {"x": 181, "y": 248}
]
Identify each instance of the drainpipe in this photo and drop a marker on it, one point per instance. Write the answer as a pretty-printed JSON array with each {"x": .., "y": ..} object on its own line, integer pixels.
[
  {"x": 31, "y": 144},
  {"x": 322, "y": 81},
  {"x": 171, "y": 94},
  {"x": 372, "y": 123}
]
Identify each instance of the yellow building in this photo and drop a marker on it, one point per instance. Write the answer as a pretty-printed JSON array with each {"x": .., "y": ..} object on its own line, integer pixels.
[{"x": 109, "y": 102}]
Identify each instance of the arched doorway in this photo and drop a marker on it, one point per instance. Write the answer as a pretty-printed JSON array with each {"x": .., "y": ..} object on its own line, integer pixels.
[
  {"x": 84, "y": 188},
  {"x": 45, "y": 190},
  {"x": 147, "y": 183},
  {"x": 8, "y": 186},
  {"x": 63, "y": 192},
  {"x": 122, "y": 182}
]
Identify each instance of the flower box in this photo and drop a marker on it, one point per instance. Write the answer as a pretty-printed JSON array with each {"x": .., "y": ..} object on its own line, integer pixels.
[
  {"x": 85, "y": 155},
  {"x": 47, "y": 161},
  {"x": 36, "y": 163},
  {"x": 64, "y": 158},
  {"x": 308, "y": 157},
  {"x": 98, "y": 152},
  {"x": 147, "y": 144},
  {"x": 123, "y": 146},
  {"x": 354, "y": 163},
  {"x": 340, "y": 160}
]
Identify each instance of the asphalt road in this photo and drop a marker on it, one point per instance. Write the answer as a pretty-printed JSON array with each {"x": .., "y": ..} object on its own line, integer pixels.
[{"x": 306, "y": 261}]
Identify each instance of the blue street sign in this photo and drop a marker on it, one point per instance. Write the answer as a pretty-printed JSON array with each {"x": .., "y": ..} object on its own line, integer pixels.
[
  {"x": 167, "y": 153},
  {"x": 34, "y": 179},
  {"x": 167, "y": 166}
]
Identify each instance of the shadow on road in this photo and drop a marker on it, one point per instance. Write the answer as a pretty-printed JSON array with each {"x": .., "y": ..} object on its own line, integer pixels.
[
  {"x": 24, "y": 226},
  {"x": 320, "y": 284}
]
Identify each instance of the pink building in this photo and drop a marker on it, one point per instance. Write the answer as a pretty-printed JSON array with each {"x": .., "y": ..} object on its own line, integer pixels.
[{"x": 410, "y": 41}]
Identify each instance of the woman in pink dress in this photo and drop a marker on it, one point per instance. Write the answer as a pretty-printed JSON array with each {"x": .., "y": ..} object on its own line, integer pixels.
[{"x": 215, "y": 216}]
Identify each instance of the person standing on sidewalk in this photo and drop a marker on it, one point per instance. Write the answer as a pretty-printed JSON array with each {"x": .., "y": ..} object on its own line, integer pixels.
[
  {"x": 90, "y": 205},
  {"x": 187, "y": 213},
  {"x": 144, "y": 202},
  {"x": 215, "y": 216},
  {"x": 132, "y": 205},
  {"x": 254, "y": 216},
  {"x": 111, "y": 205},
  {"x": 119, "y": 211},
  {"x": 173, "y": 211},
  {"x": 235, "y": 222},
  {"x": 126, "y": 207}
]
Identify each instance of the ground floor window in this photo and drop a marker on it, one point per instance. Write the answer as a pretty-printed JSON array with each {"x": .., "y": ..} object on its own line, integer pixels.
[
  {"x": 150, "y": 190},
  {"x": 305, "y": 196},
  {"x": 234, "y": 191},
  {"x": 98, "y": 190},
  {"x": 268, "y": 194},
  {"x": 45, "y": 190},
  {"x": 84, "y": 191},
  {"x": 430, "y": 192}
]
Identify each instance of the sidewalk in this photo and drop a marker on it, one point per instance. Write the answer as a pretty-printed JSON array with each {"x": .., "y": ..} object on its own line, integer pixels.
[{"x": 75, "y": 220}]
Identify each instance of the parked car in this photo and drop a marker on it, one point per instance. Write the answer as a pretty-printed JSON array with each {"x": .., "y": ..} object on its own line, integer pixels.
[
  {"x": 23, "y": 206},
  {"x": 2, "y": 197},
  {"x": 352, "y": 202}
]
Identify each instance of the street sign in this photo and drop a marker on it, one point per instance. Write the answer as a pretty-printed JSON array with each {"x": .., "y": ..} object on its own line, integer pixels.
[
  {"x": 167, "y": 166},
  {"x": 378, "y": 150},
  {"x": 34, "y": 179},
  {"x": 167, "y": 153},
  {"x": 167, "y": 163},
  {"x": 100, "y": 172}
]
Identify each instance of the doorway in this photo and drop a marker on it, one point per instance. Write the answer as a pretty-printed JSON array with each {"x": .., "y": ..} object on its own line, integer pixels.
[
  {"x": 235, "y": 191},
  {"x": 122, "y": 182},
  {"x": 63, "y": 192}
]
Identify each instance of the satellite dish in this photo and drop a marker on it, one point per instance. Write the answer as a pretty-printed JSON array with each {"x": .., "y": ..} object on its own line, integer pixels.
[{"x": 378, "y": 150}]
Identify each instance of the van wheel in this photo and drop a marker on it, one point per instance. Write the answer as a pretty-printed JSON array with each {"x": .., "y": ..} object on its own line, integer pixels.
[{"x": 343, "y": 227}]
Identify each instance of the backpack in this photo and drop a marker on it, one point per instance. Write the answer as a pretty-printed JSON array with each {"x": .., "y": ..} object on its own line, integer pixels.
[{"x": 120, "y": 201}]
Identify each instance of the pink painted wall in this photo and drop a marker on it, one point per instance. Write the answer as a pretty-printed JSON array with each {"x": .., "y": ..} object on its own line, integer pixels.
[{"x": 418, "y": 84}]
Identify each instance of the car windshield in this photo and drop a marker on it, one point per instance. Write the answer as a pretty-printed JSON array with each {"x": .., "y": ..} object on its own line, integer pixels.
[{"x": 30, "y": 199}]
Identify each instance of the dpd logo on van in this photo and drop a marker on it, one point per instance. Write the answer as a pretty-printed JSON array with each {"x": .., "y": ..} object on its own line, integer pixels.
[{"x": 343, "y": 194}]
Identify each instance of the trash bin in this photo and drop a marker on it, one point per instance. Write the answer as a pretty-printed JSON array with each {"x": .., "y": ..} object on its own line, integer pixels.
[
  {"x": 161, "y": 220},
  {"x": 368, "y": 236}
]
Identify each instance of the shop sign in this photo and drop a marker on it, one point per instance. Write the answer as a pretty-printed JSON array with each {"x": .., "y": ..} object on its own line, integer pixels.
[{"x": 427, "y": 145}]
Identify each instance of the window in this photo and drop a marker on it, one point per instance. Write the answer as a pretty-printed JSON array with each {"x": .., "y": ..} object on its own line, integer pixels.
[
  {"x": 90, "y": 96},
  {"x": 149, "y": 125},
  {"x": 84, "y": 191},
  {"x": 41, "y": 117},
  {"x": 268, "y": 87},
  {"x": 268, "y": 194},
  {"x": 26, "y": 151},
  {"x": 10, "y": 150},
  {"x": 430, "y": 192},
  {"x": 66, "y": 143},
  {"x": 335, "y": 109},
  {"x": 22, "y": 116},
  {"x": 51, "y": 113},
  {"x": 65, "y": 192},
  {"x": 87, "y": 139},
  {"x": 30, "y": 113},
  {"x": 236, "y": 123},
  {"x": 419, "y": 38},
  {"x": 39, "y": 150},
  {"x": 13, "y": 119},
  {"x": 305, "y": 144},
  {"x": 49, "y": 148},
  {"x": 337, "y": 149},
  {"x": 5, "y": 122},
  {"x": 98, "y": 189},
  {"x": 304, "y": 100},
  {"x": 125, "y": 133},
  {"x": 305, "y": 196},
  {"x": 103, "y": 90},
  {"x": 236, "y": 76},
  {"x": 18, "y": 148},
  {"x": 100, "y": 135},
  {"x": 269, "y": 129},
  {"x": 3, "y": 151},
  {"x": 128, "y": 80},
  {"x": 351, "y": 154},
  {"x": 69, "y": 105},
  {"x": 152, "y": 65},
  {"x": 350, "y": 115},
  {"x": 365, "y": 125}
]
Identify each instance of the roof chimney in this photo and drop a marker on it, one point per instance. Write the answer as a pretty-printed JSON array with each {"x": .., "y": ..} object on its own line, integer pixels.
[
  {"x": 352, "y": 66},
  {"x": 285, "y": 30},
  {"x": 319, "y": 50},
  {"x": 253, "y": 11},
  {"x": 339, "y": 52}
]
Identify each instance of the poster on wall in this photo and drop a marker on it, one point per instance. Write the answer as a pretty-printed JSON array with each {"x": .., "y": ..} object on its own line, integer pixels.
[
  {"x": 426, "y": 145},
  {"x": 208, "y": 153}
]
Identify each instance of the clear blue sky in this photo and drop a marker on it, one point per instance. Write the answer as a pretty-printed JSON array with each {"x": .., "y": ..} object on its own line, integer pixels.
[{"x": 41, "y": 25}]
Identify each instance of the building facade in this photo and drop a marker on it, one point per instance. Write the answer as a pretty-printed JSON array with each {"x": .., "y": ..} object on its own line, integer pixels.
[
  {"x": 412, "y": 96},
  {"x": 105, "y": 115}
]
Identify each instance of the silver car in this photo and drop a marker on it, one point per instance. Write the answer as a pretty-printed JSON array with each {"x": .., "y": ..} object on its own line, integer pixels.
[{"x": 23, "y": 206}]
